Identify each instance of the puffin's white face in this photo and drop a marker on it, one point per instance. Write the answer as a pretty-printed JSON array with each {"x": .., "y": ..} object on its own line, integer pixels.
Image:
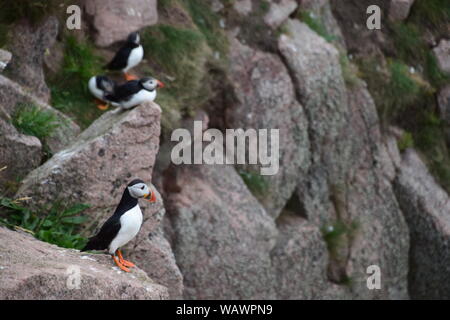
[
  {"x": 139, "y": 190},
  {"x": 151, "y": 84}
]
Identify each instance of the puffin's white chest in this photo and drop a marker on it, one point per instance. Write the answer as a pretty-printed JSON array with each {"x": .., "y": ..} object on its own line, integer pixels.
[
  {"x": 135, "y": 57},
  {"x": 130, "y": 222},
  {"x": 139, "y": 98},
  {"x": 98, "y": 93}
]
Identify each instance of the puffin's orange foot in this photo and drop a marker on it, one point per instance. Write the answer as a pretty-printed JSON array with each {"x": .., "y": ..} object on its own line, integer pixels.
[
  {"x": 123, "y": 261},
  {"x": 130, "y": 77},
  {"x": 102, "y": 107},
  {"x": 128, "y": 264},
  {"x": 121, "y": 266}
]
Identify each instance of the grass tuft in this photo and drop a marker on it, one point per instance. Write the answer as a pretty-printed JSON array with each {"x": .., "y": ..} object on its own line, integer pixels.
[
  {"x": 405, "y": 142},
  {"x": 57, "y": 225},
  {"x": 401, "y": 82},
  {"x": 335, "y": 234},
  {"x": 433, "y": 14},
  {"x": 33, "y": 10},
  {"x": 255, "y": 182},
  {"x": 70, "y": 93},
  {"x": 397, "y": 94},
  {"x": 182, "y": 55},
  {"x": 264, "y": 6},
  {"x": 32, "y": 121},
  {"x": 208, "y": 23},
  {"x": 350, "y": 72},
  {"x": 315, "y": 23},
  {"x": 412, "y": 48}
]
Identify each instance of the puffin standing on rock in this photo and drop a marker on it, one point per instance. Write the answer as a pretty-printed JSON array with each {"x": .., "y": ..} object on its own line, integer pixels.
[
  {"x": 128, "y": 56},
  {"x": 134, "y": 92},
  {"x": 123, "y": 225},
  {"x": 100, "y": 86}
]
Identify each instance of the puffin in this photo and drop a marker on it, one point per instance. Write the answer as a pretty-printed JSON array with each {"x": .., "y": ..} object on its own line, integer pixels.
[
  {"x": 100, "y": 86},
  {"x": 123, "y": 225},
  {"x": 134, "y": 92},
  {"x": 128, "y": 56}
]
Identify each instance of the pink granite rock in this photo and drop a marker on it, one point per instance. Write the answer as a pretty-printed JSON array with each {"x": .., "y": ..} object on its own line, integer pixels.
[
  {"x": 113, "y": 20},
  {"x": 35, "y": 270}
]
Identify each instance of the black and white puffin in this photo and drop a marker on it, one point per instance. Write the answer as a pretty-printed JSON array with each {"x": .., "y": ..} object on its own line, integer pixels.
[
  {"x": 100, "y": 86},
  {"x": 134, "y": 92},
  {"x": 128, "y": 56},
  {"x": 123, "y": 225}
]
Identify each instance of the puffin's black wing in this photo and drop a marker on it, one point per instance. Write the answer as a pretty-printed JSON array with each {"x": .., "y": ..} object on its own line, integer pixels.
[
  {"x": 120, "y": 60},
  {"x": 125, "y": 91},
  {"x": 106, "y": 84},
  {"x": 107, "y": 233}
]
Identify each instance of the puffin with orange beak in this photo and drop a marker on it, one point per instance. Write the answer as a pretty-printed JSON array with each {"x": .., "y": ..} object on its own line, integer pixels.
[
  {"x": 134, "y": 92},
  {"x": 123, "y": 225}
]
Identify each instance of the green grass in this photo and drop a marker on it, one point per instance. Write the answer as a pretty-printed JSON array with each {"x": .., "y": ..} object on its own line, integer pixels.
[
  {"x": 411, "y": 48},
  {"x": 349, "y": 71},
  {"x": 70, "y": 93},
  {"x": 430, "y": 139},
  {"x": 182, "y": 55},
  {"x": 168, "y": 46},
  {"x": 437, "y": 77},
  {"x": 408, "y": 42},
  {"x": 264, "y": 6},
  {"x": 393, "y": 87},
  {"x": 32, "y": 121},
  {"x": 405, "y": 142},
  {"x": 408, "y": 100},
  {"x": 255, "y": 182},
  {"x": 315, "y": 23},
  {"x": 33, "y": 10},
  {"x": 57, "y": 225},
  {"x": 402, "y": 84},
  {"x": 433, "y": 14},
  {"x": 208, "y": 23},
  {"x": 334, "y": 235}
]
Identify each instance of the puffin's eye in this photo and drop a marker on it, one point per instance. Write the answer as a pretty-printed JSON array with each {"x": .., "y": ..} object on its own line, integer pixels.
[{"x": 143, "y": 187}]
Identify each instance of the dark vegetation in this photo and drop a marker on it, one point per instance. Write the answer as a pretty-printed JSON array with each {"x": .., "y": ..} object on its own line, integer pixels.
[
  {"x": 256, "y": 183},
  {"x": 56, "y": 224},
  {"x": 32, "y": 121},
  {"x": 70, "y": 93},
  {"x": 408, "y": 98},
  {"x": 33, "y": 10}
]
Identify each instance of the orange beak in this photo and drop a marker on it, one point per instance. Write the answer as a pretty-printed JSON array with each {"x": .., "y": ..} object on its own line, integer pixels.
[
  {"x": 151, "y": 197},
  {"x": 160, "y": 84}
]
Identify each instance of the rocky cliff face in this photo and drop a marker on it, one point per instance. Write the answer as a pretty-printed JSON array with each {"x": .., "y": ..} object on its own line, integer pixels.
[
  {"x": 347, "y": 195},
  {"x": 31, "y": 270}
]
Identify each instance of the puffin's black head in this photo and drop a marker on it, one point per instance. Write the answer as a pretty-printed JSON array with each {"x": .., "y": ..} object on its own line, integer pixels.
[
  {"x": 134, "y": 38},
  {"x": 138, "y": 189},
  {"x": 150, "y": 83}
]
